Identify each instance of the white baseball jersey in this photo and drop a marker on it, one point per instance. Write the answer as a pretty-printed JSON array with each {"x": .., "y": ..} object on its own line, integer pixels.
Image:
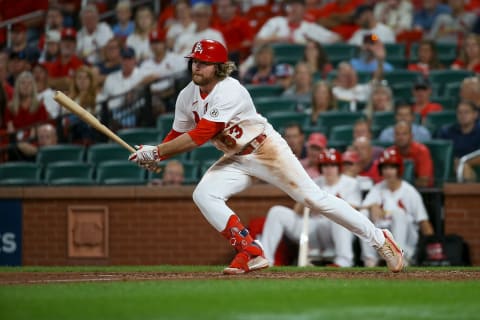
[
  {"x": 170, "y": 65},
  {"x": 347, "y": 188},
  {"x": 141, "y": 46},
  {"x": 278, "y": 26}
]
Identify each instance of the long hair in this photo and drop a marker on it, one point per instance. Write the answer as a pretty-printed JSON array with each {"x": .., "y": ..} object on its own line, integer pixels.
[
  {"x": 332, "y": 101},
  {"x": 137, "y": 23},
  {"x": 223, "y": 70},
  {"x": 35, "y": 103},
  {"x": 434, "y": 63},
  {"x": 322, "y": 59},
  {"x": 463, "y": 53},
  {"x": 87, "y": 99}
]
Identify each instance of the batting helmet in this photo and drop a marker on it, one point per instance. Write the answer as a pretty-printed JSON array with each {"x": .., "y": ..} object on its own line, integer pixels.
[
  {"x": 330, "y": 156},
  {"x": 207, "y": 50},
  {"x": 391, "y": 157}
]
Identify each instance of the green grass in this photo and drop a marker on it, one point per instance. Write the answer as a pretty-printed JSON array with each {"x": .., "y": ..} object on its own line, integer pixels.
[{"x": 237, "y": 298}]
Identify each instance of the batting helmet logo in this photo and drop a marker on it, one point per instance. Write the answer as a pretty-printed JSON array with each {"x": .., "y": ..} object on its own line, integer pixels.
[
  {"x": 209, "y": 51},
  {"x": 391, "y": 157},
  {"x": 198, "y": 48}
]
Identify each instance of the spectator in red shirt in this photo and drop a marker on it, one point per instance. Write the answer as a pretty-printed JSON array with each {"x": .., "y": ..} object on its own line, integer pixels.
[
  {"x": 416, "y": 151},
  {"x": 235, "y": 29},
  {"x": 25, "y": 110},
  {"x": 427, "y": 58},
  {"x": 422, "y": 91},
  {"x": 469, "y": 58},
  {"x": 61, "y": 70}
]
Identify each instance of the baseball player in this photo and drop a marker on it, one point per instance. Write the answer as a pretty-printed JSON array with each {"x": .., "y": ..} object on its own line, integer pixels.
[
  {"x": 216, "y": 107},
  {"x": 332, "y": 239},
  {"x": 397, "y": 205}
]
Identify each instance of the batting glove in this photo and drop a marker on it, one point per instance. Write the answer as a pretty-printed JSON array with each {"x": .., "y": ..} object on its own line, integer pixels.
[{"x": 145, "y": 154}]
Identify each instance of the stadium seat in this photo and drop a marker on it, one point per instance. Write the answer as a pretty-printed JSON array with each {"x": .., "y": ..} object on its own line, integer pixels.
[
  {"x": 280, "y": 120},
  {"x": 292, "y": 50},
  {"x": 395, "y": 50},
  {"x": 206, "y": 152},
  {"x": 436, "y": 120},
  {"x": 19, "y": 173},
  {"x": 448, "y": 103},
  {"x": 331, "y": 119},
  {"x": 342, "y": 133},
  {"x": 444, "y": 77},
  {"x": 383, "y": 119},
  {"x": 190, "y": 172},
  {"x": 338, "y": 52},
  {"x": 165, "y": 122},
  {"x": 363, "y": 76},
  {"x": 402, "y": 92},
  {"x": 338, "y": 145},
  {"x": 275, "y": 104},
  {"x": 409, "y": 171},
  {"x": 442, "y": 156},
  {"x": 69, "y": 173},
  {"x": 405, "y": 77},
  {"x": 138, "y": 136},
  {"x": 118, "y": 172},
  {"x": 446, "y": 52},
  {"x": 61, "y": 152},
  {"x": 98, "y": 153},
  {"x": 264, "y": 90}
]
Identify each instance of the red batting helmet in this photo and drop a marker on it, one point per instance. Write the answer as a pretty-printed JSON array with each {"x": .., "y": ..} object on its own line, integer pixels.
[
  {"x": 391, "y": 157},
  {"x": 330, "y": 156},
  {"x": 207, "y": 50}
]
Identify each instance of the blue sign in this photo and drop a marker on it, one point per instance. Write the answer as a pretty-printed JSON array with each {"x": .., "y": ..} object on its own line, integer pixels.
[{"x": 10, "y": 233}]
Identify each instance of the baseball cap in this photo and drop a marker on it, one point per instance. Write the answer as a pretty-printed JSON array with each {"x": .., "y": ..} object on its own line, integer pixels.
[
  {"x": 127, "y": 52},
  {"x": 422, "y": 83},
  {"x": 20, "y": 55},
  {"x": 69, "y": 34},
  {"x": 157, "y": 36},
  {"x": 360, "y": 10},
  {"x": 350, "y": 156},
  {"x": 52, "y": 36},
  {"x": 283, "y": 70},
  {"x": 317, "y": 139}
]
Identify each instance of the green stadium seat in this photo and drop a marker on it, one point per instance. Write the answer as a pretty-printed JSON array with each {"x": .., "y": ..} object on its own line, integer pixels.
[
  {"x": 138, "y": 136},
  {"x": 448, "y": 103},
  {"x": 409, "y": 171},
  {"x": 382, "y": 144},
  {"x": 402, "y": 92},
  {"x": 341, "y": 133},
  {"x": 117, "y": 172},
  {"x": 363, "y": 76},
  {"x": 446, "y": 52},
  {"x": 436, "y": 120},
  {"x": 442, "y": 156},
  {"x": 190, "y": 172},
  {"x": 206, "y": 152},
  {"x": 395, "y": 50},
  {"x": 280, "y": 120},
  {"x": 338, "y": 145},
  {"x": 343, "y": 105},
  {"x": 165, "y": 122},
  {"x": 331, "y": 119},
  {"x": 444, "y": 77},
  {"x": 61, "y": 152},
  {"x": 69, "y": 173},
  {"x": 405, "y": 77},
  {"x": 264, "y": 90},
  {"x": 98, "y": 153},
  {"x": 19, "y": 173},
  {"x": 288, "y": 50},
  {"x": 383, "y": 119},
  {"x": 338, "y": 52},
  {"x": 274, "y": 104}
]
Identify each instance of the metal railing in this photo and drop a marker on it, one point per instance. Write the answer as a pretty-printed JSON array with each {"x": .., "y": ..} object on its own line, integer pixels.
[
  {"x": 25, "y": 17},
  {"x": 463, "y": 161}
]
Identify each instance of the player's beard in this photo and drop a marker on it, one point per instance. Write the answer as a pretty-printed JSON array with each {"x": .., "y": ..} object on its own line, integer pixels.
[{"x": 203, "y": 80}]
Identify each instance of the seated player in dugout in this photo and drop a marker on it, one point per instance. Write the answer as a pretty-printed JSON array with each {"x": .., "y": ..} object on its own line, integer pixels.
[{"x": 216, "y": 107}]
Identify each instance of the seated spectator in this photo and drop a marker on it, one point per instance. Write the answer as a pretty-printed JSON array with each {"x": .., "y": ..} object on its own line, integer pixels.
[
  {"x": 202, "y": 16},
  {"x": 404, "y": 112},
  {"x": 323, "y": 100},
  {"x": 51, "y": 50},
  {"x": 395, "y": 14},
  {"x": 367, "y": 162},
  {"x": 470, "y": 90},
  {"x": 46, "y": 135},
  {"x": 284, "y": 75},
  {"x": 363, "y": 128},
  {"x": 295, "y": 138},
  {"x": 183, "y": 22},
  {"x": 454, "y": 26},
  {"x": 61, "y": 70},
  {"x": 416, "y": 151},
  {"x": 422, "y": 91},
  {"x": 317, "y": 142},
  {"x": 396, "y": 205},
  {"x": 380, "y": 100},
  {"x": 425, "y": 17},
  {"x": 20, "y": 45},
  {"x": 139, "y": 39},
  {"x": 365, "y": 19},
  {"x": 45, "y": 93},
  {"x": 465, "y": 134},
  {"x": 93, "y": 35},
  {"x": 54, "y": 21},
  {"x": 332, "y": 240},
  {"x": 124, "y": 26},
  {"x": 262, "y": 72},
  {"x": 111, "y": 62},
  {"x": 427, "y": 58},
  {"x": 17, "y": 64},
  {"x": 316, "y": 57},
  {"x": 301, "y": 89},
  {"x": 336, "y": 15},
  {"x": 469, "y": 57},
  {"x": 25, "y": 110},
  {"x": 371, "y": 56},
  {"x": 173, "y": 175}
]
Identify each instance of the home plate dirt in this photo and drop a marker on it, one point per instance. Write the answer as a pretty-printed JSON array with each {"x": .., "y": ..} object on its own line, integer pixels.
[{"x": 13, "y": 278}]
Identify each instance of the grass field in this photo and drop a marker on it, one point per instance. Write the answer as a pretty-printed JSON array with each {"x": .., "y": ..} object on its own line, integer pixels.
[{"x": 203, "y": 293}]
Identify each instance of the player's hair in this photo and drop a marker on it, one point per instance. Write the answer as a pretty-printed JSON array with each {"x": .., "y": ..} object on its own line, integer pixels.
[{"x": 223, "y": 70}]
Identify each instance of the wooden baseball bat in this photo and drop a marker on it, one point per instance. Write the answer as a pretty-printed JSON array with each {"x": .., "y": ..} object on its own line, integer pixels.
[
  {"x": 86, "y": 116},
  {"x": 303, "y": 244}
]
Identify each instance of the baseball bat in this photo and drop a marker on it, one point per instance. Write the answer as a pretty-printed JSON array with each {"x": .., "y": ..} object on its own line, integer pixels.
[
  {"x": 86, "y": 116},
  {"x": 303, "y": 244}
]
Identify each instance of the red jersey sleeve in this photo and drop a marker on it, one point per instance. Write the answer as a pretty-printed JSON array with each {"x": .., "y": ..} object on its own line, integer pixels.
[
  {"x": 205, "y": 130},
  {"x": 172, "y": 135}
]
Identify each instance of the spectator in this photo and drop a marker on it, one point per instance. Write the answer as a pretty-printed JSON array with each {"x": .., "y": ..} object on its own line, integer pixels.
[
  {"x": 365, "y": 19},
  {"x": 124, "y": 26},
  {"x": 45, "y": 93},
  {"x": 292, "y": 28},
  {"x": 19, "y": 43},
  {"x": 333, "y": 241},
  {"x": 470, "y": 90},
  {"x": 235, "y": 29},
  {"x": 111, "y": 62},
  {"x": 17, "y": 63},
  {"x": 351, "y": 167},
  {"x": 395, "y": 204},
  {"x": 316, "y": 57},
  {"x": 262, "y": 72},
  {"x": 54, "y": 19},
  {"x": 25, "y": 110},
  {"x": 61, "y": 70},
  {"x": 404, "y": 112},
  {"x": 337, "y": 16},
  {"x": 427, "y": 58},
  {"x": 371, "y": 56},
  {"x": 202, "y": 16},
  {"x": 363, "y": 147},
  {"x": 139, "y": 40},
  {"x": 465, "y": 135},
  {"x": 284, "y": 75},
  {"x": 301, "y": 90},
  {"x": 173, "y": 175},
  {"x": 380, "y": 100},
  {"x": 3, "y": 78},
  {"x": 424, "y": 18},
  {"x": 295, "y": 137},
  {"x": 3, "y": 107},
  {"x": 183, "y": 22},
  {"x": 323, "y": 100},
  {"x": 469, "y": 57},
  {"x": 51, "y": 50},
  {"x": 363, "y": 128},
  {"x": 46, "y": 136},
  {"x": 93, "y": 35},
  {"x": 421, "y": 93},
  {"x": 452, "y": 27},
  {"x": 395, "y": 14},
  {"x": 416, "y": 151},
  {"x": 316, "y": 144}
]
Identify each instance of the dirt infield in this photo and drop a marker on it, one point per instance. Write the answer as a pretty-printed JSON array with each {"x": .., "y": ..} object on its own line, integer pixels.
[{"x": 15, "y": 278}]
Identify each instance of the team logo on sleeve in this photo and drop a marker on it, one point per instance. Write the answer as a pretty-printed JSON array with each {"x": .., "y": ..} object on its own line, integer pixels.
[{"x": 214, "y": 113}]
